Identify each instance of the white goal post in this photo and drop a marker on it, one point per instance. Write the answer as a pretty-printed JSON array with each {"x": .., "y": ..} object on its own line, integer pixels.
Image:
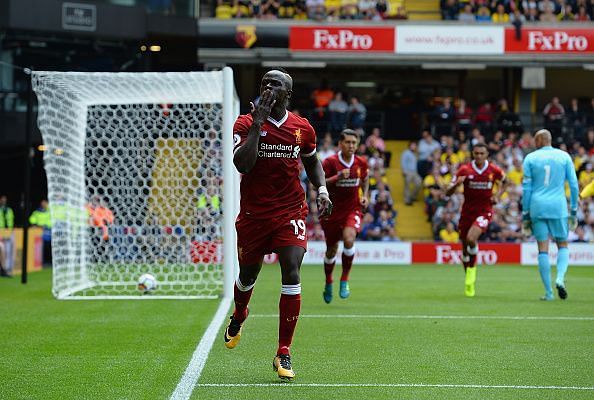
[{"x": 140, "y": 180}]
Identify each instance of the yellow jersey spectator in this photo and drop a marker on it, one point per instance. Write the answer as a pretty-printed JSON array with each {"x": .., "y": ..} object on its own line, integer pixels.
[
  {"x": 6, "y": 214},
  {"x": 449, "y": 234},
  {"x": 587, "y": 191}
]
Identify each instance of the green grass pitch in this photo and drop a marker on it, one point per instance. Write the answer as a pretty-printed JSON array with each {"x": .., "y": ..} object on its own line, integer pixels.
[{"x": 406, "y": 326}]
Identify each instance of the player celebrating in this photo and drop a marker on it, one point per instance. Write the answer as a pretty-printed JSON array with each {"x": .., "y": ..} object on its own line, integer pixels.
[
  {"x": 479, "y": 177},
  {"x": 544, "y": 206},
  {"x": 345, "y": 174},
  {"x": 268, "y": 144}
]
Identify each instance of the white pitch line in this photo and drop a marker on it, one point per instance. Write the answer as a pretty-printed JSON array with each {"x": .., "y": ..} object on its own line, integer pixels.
[
  {"x": 395, "y": 385},
  {"x": 188, "y": 381},
  {"x": 396, "y": 316}
]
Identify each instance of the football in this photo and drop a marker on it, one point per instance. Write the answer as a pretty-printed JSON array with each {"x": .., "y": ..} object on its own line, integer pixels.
[{"x": 147, "y": 283}]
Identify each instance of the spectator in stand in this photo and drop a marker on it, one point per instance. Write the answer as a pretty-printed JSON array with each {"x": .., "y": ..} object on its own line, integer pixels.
[
  {"x": 381, "y": 6},
  {"x": 589, "y": 114},
  {"x": 507, "y": 120},
  {"x": 483, "y": 14},
  {"x": 517, "y": 18},
  {"x": 463, "y": 113},
  {"x": 400, "y": 13},
  {"x": 375, "y": 141},
  {"x": 467, "y": 15},
  {"x": 333, "y": 9},
  {"x": 582, "y": 15},
  {"x": 316, "y": 10},
  {"x": 337, "y": 109},
  {"x": 554, "y": 114},
  {"x": 515, "y": 173},
  {"x": 270, "y": 9},
  {"x": 496, "y": 144},
  {"x": 476, "y": 137},
  {"x": 349, "y": 9},
  {"x": 427, "y": 145},
  {"x": 357, "y": 113},
  {"x": 366, "y": 9},
  {"x": 387, "y": 227},
  {"x": 412, "y": 180},
  {"x": 484, "y": 118},
  {"x": 547, "y": 16},
  {"x": 300, "y": 11},
  {"x": 369, "y": 229},
  {"x": 575, "y": 119},
  {"x": 321, "y": 96},
  {"x": 41, "y": 218},
  {"x": 444, "y": 117},
  {"x": 327, "y": 149},
  {"x": 566, "y": 13},
  {"x": 500, "y": 16},
  {"x": 449, "y": 234},
  {"x": 449, "y": 10},
  {"x": 6, "y": 225},
  {"x": 588, "y": 142},
  {"x": 532, "y": 15}
]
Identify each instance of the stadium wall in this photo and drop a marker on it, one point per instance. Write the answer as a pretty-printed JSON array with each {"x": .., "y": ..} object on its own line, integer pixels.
[{"x": 406, "y": 253}]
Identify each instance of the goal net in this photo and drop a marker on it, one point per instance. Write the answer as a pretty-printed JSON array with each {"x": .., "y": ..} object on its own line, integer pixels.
[{"x": 140, "y": 180}]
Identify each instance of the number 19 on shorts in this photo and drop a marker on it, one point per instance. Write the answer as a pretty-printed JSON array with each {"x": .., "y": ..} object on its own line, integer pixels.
[{"x": 300, "y": 229}]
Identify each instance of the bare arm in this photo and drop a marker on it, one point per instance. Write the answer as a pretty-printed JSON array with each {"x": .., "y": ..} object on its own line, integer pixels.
[
  {"x": 454, "y": 185},
  {"x": 365, "y": 187},
  {"x": 315, "y": 174},
  {"x": 246, "y": 156}
]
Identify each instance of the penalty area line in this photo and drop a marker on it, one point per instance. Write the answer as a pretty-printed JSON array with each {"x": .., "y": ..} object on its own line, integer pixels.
[
  {"x": 394, "y": 385},
  {"x": 188, "y": 381},
  {"x": 396, "y": 316}
]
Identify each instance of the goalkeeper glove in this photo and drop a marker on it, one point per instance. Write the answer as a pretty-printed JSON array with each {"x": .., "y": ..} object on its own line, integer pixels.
[
  {"x": 526, "y": 224},
  {"x": 573, "y": 222}
]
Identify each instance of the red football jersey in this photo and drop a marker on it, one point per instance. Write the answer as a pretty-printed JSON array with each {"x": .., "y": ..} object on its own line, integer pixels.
[
  {"x": 478, "y": 186},
  {"x": 344, "y": 194},
  {"x": 272, "y": 187}
]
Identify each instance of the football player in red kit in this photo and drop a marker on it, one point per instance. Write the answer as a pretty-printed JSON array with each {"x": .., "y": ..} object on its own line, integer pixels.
[
  {"x": 346, "y": 175},
  {"x": 479, "y": 178},
  {"x": 268, "y": 144}
]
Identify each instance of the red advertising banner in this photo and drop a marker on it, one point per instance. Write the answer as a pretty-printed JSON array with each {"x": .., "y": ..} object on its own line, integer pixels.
[
  {"x": 341, "y": 38},
  {"x": 550, "y": 40},
  {"x": 446, "y": 253}
]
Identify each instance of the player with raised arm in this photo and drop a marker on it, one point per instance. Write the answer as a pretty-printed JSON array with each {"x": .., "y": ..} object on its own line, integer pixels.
[
  {"x": 268, "y": 144},
  {"x": 479, "y": 177},
  {"x": 346, "y": 175},
  {"x": 544, "y": 207}
]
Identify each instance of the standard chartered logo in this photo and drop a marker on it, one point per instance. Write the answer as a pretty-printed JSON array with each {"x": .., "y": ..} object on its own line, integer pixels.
[{"x": 278, "y": 150}]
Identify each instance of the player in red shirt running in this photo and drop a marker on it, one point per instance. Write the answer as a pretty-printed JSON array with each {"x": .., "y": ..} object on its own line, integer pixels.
[
  {"x": 346, "y": 174},
  {"x": 268, "y": 145},
  {"x": 479, "y": 177}
]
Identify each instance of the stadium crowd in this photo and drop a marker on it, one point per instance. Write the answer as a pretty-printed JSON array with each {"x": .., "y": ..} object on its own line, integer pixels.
[
  {"x": 317, "y": 10},
  {"x": 456, "y": 128},
  {"x": 517, "y": 12}
]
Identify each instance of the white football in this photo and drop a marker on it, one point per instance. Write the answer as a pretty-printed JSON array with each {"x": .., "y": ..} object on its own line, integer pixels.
[{"x": 147, "y": 283}]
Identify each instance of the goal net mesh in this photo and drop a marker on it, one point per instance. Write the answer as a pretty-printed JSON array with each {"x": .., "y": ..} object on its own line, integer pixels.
[{"x": 135, "y": 182}]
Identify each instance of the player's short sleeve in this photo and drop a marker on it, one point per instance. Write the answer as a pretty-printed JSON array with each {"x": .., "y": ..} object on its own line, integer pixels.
[
  {"x": 240, "y": 131},
  {"x": 329, "y": 167},
  {"x": 460, "y": 172},
  {"x": 499, "y": 174},
  {"x": 308, "y": 148},
  {"x": 364, "y": 168}
]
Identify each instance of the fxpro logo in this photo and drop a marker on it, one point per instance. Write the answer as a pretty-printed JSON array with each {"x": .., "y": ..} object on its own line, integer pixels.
[
  {"x": 278, "y": 150},
  {"x": 344, "y": 39},
  {"x": 446, "y": 255},
  {"x": 556, "y": 41}
]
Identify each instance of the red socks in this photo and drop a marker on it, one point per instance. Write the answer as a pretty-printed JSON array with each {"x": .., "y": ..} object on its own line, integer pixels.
[
  {"x": 242, "y": 295},
  {"x": 289, "y": 307}
]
